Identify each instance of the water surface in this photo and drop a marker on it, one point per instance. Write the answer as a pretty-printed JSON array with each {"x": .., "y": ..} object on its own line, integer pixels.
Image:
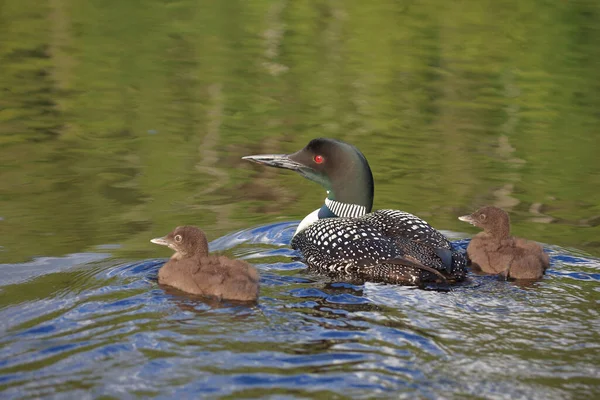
[{"x": 106, "y": 328}]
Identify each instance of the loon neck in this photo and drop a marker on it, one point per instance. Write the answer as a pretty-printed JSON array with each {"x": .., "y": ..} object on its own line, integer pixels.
[
  {"x": 351, "y": 182},
  {"x": 499, "y": 231}
]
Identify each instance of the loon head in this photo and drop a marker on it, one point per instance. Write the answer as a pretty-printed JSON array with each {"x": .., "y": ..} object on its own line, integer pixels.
[
  {"x": 337, "y": 166},
  {"x": 493, "y": 220},
  {"x": 186, "y": 241}
]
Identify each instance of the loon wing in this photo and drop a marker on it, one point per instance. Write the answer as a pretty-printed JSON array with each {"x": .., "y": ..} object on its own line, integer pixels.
[
  {"x": 417, "y": 265},
  {"x": 400, "y": 223},
  {"x": 366, "y": 254},
  {"x": 439, "y": 258}
]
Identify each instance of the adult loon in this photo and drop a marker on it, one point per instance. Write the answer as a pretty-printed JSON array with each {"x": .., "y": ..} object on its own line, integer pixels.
[
  {"x": 343, "y": 238},
  {"x": 494, "y": 251},
  {"x": 191, "y": 269}
]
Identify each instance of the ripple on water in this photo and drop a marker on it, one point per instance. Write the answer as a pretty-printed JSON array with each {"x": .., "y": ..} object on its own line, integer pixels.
[{"x": 107, "y": 327}]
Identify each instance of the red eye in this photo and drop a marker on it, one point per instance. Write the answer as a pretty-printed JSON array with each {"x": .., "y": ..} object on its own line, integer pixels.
[{"x": 319, "y": 159}]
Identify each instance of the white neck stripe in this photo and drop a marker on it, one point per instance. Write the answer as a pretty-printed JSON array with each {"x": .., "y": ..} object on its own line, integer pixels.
[{"x": 345, "y": 209}]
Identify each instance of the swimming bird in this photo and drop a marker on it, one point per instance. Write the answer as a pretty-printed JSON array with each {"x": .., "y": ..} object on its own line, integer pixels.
[
  {"x": 193, "y": 270},
  {"x": 344, "y": 238},
  {"x": 494, "y": 251}
]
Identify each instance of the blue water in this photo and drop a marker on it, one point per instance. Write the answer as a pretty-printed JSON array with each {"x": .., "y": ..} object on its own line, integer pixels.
[{"x": 89, "y": 325}]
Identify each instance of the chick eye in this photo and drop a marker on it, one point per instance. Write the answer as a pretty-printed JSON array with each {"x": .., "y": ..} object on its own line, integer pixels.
[
  {"x": 482, "y": 217},
  {"x": 319, "y": 159},
  {"x": 178, "y": 238}
]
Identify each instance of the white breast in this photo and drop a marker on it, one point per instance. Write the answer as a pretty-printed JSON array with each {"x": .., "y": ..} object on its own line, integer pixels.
[{"x": 307, "y": 221}]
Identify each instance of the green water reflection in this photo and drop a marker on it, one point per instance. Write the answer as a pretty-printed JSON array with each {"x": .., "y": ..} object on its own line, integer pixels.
[{"x": 120, "y": 120}]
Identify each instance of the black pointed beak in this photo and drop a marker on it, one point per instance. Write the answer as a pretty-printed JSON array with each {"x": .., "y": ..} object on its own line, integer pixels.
[{"x": 276, "y": 160}]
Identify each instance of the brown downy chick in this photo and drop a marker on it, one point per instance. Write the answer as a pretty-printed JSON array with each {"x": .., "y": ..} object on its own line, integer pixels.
[
  {"x": 191, "y": 269},
  {"x": 494, "y": 251}
]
